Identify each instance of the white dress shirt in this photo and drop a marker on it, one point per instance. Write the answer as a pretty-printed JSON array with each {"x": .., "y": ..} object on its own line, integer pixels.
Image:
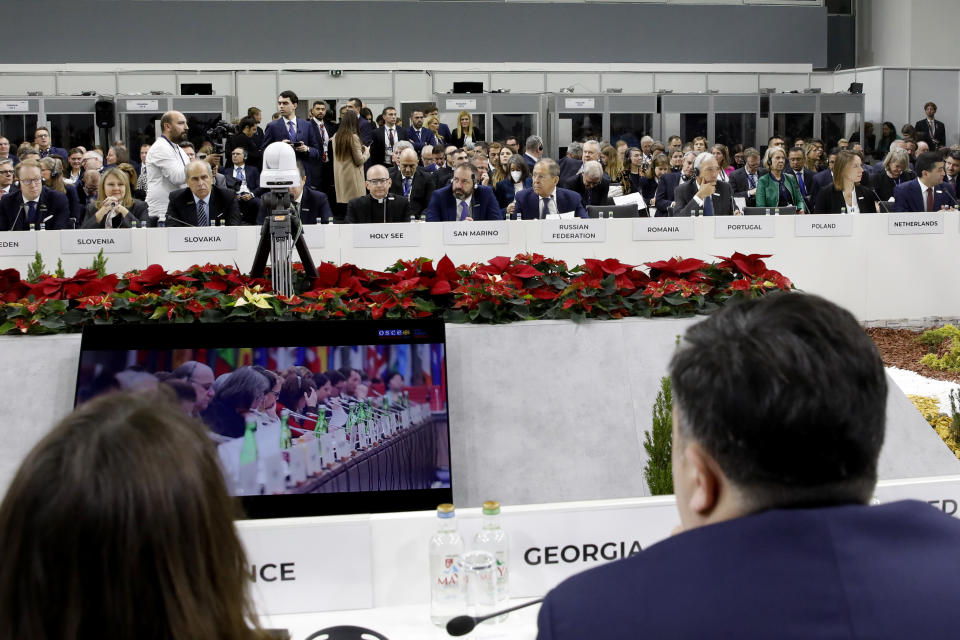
[{"x": 166, "y": 171}]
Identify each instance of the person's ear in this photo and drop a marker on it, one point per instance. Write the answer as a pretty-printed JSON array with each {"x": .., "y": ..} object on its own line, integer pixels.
[{"x": 704, "y": 480}]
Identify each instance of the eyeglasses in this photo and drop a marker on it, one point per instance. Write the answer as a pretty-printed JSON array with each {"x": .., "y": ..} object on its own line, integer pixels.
[
  {"x": 6, "y": 172},
  {"x": 379, "y": 180},
  {"x": 32, "y": 181}
]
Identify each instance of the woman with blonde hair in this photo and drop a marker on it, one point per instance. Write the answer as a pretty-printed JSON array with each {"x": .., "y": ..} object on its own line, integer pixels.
[
  {"x": 465, "y": 131},
  {"x": 433, "y": 123},
  {"x": 611, "y": 162},
  {"x": 115, "y": 206}
]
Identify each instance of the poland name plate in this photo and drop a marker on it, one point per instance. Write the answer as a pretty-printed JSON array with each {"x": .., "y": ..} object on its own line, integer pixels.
[
  {"x": 812, "y": 226},
  {"x": 917, "y": 222},
  {"x": 744, "y": 226},
  {"x": 480, "y": 232},
  {"x": 202, "y": 239},
  {"x": 18, "y": 243},
  {"x": 573, "y": 230},
  {"x": 663, "y": 229},
  {"x": 396, "y": 234},
  {"x": 95, "y": 240}
]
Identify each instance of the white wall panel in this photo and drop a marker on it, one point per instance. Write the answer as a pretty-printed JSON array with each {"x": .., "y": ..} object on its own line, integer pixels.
[
  {"x": 733, "y": 82},
  {"x": 443, "y": 82},
  {"x": 941, "y": 88},
  {"x": 15, "y": 85},
  {"x": 518, "y": 82},
  {"x": 581, "y": 82},
  {"x": 872, "y": 93},
  {"x": 680, "y": 82},
  {"x": 257, "y": 89},
  {"x": 351, "y": 84},
  {"x": 146, "y": 82},
  {"x": 629, "y": 82},
  {"x": 413, "y": 87},
  {"x": 785, "y": 81},
  {"x": 222, "y": 82},
  {"x": 896, "y": 98},
  {"x": 73, "y": 83}
]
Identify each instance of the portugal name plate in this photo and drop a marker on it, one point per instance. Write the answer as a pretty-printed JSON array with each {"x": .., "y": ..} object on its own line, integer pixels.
[
  {"x": 202, "y": 239},
  {"x": 95, "y": 240},
  {"x": 663, "y": 229},
  {"x": 480, "y": 232},
  {"x": 395, "y": 234},
  {"x": 744, "y": 226}
]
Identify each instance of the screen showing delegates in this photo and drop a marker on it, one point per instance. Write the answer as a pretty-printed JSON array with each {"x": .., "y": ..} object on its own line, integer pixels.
[{"x": 314, "y": 418}]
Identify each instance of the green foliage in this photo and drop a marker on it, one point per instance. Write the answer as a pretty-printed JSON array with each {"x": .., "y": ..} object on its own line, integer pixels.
[
  {"x": 658, "y": 443},
  {"x": 59, "y": 272},
  {"x": 36, "y": 269},
  {"x": 944, "y": 340},
  {"x": 100, "y": 264}
]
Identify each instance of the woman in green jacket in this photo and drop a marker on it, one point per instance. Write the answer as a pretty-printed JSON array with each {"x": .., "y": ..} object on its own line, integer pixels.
[{"x": 778, "y": 188}]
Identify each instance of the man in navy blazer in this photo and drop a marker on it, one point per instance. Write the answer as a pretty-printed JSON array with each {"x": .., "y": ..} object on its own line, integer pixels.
[
  {"x": 365, "y": 128},
  {"x": 385, "y": 138},
  {"x": 531, "y": 203},
  {"x": 667, "y": 187},
  {"x": 41, "y": 138},
  {"x": 770, "y": 545},
  {"x": 219, "y": 204},
  {"x": 289, "y": 128},
  {"x": 463, "y": 199},
  {"x": 913, "y": 195},
  {"x": 418, "y": 134},
  {"x": 33, "y": 203}
]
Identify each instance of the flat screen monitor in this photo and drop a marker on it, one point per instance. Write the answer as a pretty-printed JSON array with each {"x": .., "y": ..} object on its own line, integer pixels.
[{"x": 366, "y": 429}]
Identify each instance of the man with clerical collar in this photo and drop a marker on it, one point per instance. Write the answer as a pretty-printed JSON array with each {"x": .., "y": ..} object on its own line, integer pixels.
[
  {"x": 35, "y": 205},
  {"x": 378, "y": 205}
]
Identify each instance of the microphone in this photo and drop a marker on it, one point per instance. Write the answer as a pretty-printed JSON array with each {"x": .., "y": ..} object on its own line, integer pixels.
[
  {"x": 462, "y": 625},
  {"x": 22, "y": 209},
  {"x": 886, "y": 208},
  {"x": 949, "y": 195},
  {"x": 184, "y": 222}
]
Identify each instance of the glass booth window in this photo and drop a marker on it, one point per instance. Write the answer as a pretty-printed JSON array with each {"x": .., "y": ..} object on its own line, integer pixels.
[
  {"x": 18, "y": 128},
  {"x": 140, "y": 129},
  {"x": 834, "y": 126},
  {"x": 518, "y": 125},
  {"x": 630, "y": 127},
  {"x": 68, "y": 130},
  {"x": 577, "y": 127},
  {"x": 793, "y": 125},
  {"x": 691, "y": 126},
  {"x": 734, "y": 128}
]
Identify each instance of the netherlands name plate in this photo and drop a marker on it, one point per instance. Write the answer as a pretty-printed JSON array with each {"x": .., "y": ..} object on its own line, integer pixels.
[{"x": 918, "y": 222}]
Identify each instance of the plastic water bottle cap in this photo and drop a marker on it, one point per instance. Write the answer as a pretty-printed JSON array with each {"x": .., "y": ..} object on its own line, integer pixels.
[{"x": 491, "y": 508}]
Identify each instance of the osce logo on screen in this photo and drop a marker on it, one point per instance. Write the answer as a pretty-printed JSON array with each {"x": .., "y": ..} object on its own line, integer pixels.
[{"x": 393, "y": 333}]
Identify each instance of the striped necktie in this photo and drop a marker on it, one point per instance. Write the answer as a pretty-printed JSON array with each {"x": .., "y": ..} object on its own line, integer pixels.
[{"x": 203, "y": 220}]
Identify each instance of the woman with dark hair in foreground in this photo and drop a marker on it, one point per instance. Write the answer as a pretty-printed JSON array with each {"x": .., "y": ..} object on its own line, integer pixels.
[{"x": 118, "y": 524}]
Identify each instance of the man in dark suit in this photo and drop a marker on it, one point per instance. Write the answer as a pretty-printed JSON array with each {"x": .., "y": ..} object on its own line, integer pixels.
[
  {"x": 705, "y": 194},
  {"x": 571, "y": 163},
  {"x": 417, "y": 134},
  {"x": 257, "y": 138},
  {"x": 378, "y": 205},
  {"x": 443, "y": 175},
  {"x": 823, "y": 179},
  {"x": 244, "y": 179},
  {"x": 951, "y": 167},
  {"x": 665, "y": 197},
  {"x": 926, "y": 192},
  {"x": 244, "y": 140},
  {"x": 413, "y": 183},
  {"x": 311, "y": 205},
  {"x": 321, "y": 169},
  {"x": 442, "y": 129},
  {"x": 545, "y": 198},
  {"x": 384, "y": 139},
  {"x": 202, "y": 204},
  {"x": 34, "y": 204},
  {"x": 803, "y": 175},
  {"x": 744, "y": 180},
  {"x": 463, "y": 199},
  {"x": 301, "y": 134},
  {"x": 364, "y": 127},
  {"x": 41, "y": 138},
  {"x": 769, "y": 545},
  {"x": 931, "y": 130},
  {"x": 533, "y": 151},
  {"x": 592, "y": 185}
]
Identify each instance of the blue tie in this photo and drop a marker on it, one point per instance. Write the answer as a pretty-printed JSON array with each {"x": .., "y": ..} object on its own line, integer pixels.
[
  {"x": 545, "y": 202},
  {"x": 406, "y": 187},
  {"x": 803, "y": 190},
  {"x": 202, "y": 219},
  {"x": 240, "y": 174},
  {"x": 708, "y": 206},
  {"x": 463, "y": 210},
  {"x": 751, "y": 180},
  {"x": 31, "y": 212},
  {"x": 291, "y": 131}
]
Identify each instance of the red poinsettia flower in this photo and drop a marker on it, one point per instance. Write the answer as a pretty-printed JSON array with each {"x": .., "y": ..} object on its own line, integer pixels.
[
  {"x": 750, "y": 265},
  {"x": 674, "y": 268},
  {"x": 11, "y": 287}
]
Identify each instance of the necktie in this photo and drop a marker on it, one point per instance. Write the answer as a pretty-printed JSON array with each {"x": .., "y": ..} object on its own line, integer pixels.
[
  {"x": 463, "y": 210},
  {"x": 202, "y": 219},
  {"x": 929, "y": 199},
  {"x": 544, "y": 207},
  {"x": 751, "y": 180},
  {"x": 295, "y": 207},
  {"x": 323, "y": 139},
  {"x": 406, "y": 187},
  {"x": 32, "y": 212},
  {"x": 291, "y": 131},
  {"x": 932, "y": 131},
  {"x": 708, "y": 206},
  {"x": 803, "y": 190},
  {"x": 390, "y": 135},
  {"x": 240, "y": 174}
]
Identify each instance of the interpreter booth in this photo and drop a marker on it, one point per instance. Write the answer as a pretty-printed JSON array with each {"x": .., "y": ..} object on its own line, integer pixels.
[
  {"x": 70, "y": 118},
  {"x": 576, "y": 117},
  {"x": 499, "y": 115},
  {"x": 138, "y": 117},
  {"x": 827, "y": 116},
  {"x": 721, "y": 118}
]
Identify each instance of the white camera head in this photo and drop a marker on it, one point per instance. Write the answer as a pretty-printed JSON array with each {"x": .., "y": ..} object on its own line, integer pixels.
[{"x": 279, "y": 167}]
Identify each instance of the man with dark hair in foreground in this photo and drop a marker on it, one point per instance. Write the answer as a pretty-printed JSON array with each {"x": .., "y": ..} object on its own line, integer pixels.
[{"x": 778, "y": 420}]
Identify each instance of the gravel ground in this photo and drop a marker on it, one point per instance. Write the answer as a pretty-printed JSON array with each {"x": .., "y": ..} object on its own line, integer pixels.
[{"x": 914, "y": 384}]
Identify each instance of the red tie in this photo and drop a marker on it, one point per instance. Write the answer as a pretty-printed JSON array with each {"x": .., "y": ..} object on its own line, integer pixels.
[
  {"x": 390, "y": 132},
  {"x": 929, "y": 199}
]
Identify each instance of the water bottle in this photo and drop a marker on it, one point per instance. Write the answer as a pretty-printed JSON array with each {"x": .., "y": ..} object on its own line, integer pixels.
[
  {"x": 446, "y": 545},
  {"x": 776, "y": 211},
  {"x": 766, "y": 211},
  {"x": 413, "y": 217},
  {"x": 493, "y": 539}
]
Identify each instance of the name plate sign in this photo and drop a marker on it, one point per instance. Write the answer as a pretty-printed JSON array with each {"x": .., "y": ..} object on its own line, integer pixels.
[
  {"x": 315, "y": 235},
  {"x": 396, "y": 234},
  {"x": 743, "y": 226},
  {"x": 813, "y": 226},
  {"x": 461, "y": 104},
  {"x": 663, "y": 229},
  {"x": 918, "y": 222},
  {"x": 480, "y": 232},
  {"x": 573, "y": 230},
  {"x": 143, "y": 105},
  {"x": 14, "y": 105},
  {"x": 18, "y": 243},
  {"x": 202, "y": 239},
  {"x": 580, "y": 103},
  {"x": 95, "y": 240}
]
